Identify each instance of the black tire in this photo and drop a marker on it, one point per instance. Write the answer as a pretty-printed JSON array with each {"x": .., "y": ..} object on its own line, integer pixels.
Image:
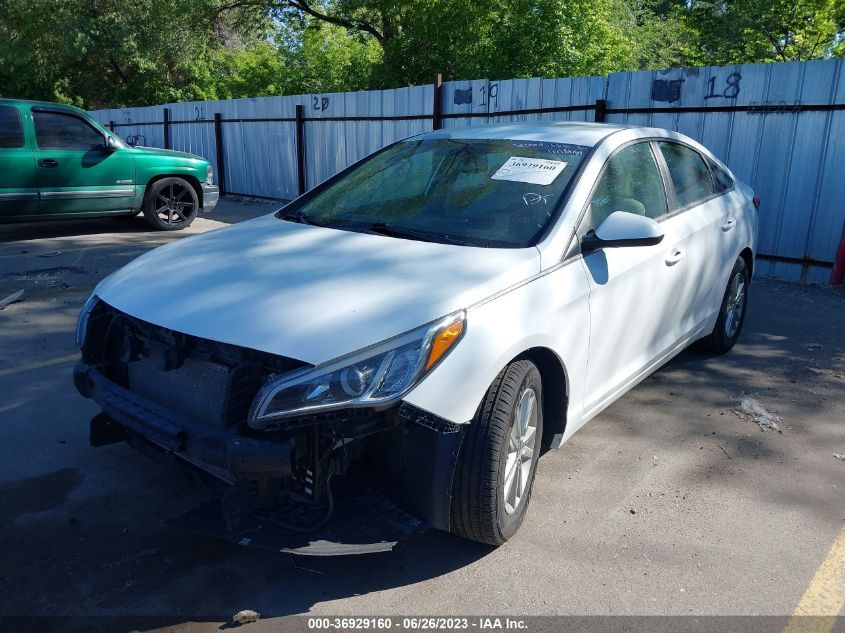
[
  {"x": 479, "y": 509},
  {"x": 729, "y": 323},
  {"x": 171, "y": 204}
]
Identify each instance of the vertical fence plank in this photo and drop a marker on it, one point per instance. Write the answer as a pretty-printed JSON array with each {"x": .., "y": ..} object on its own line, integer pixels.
[
  {"x": 829, "y": 218},
  {"x": 774, "y": 159}
]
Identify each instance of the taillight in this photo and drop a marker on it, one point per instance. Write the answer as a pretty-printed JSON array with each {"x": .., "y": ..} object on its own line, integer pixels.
[{"x": 756, "y": 201}]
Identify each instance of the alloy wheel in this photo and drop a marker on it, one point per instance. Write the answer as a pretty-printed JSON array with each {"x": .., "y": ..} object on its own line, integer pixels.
[
  {"x": 174, "y": 203},
  {"x": 736, "y": 305},
  {"x": 521, "y": 446}
]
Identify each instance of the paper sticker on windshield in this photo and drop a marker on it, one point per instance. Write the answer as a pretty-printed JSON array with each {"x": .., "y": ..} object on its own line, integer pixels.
[{"x": 538, "y": 171}]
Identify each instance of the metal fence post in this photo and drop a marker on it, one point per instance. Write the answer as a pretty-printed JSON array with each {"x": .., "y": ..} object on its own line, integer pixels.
[
  {"x": 166, "y": 126},
  {"x": 436, "y": 106},
  {"x": 218, "y": 145},
  {"x": 111, "y": 126},
  {"x": 300, "y": 150},
  {"x": 600, "y": 111}
]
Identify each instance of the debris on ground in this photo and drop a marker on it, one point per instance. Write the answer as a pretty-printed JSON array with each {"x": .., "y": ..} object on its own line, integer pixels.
[
  {"x": 838, "y": 456},
  {"x": 53, "y": 254},
  {"x": 247, "y": 616},
  {"x": 12, "y": 298},
  {"x": 750, "y": 409}
]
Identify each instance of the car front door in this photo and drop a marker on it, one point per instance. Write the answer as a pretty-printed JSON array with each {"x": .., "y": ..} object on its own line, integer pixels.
[
  {"x": 18, "y": 186},
  {"x": 77, "y": 173},
  {"x": 634, "y": 291},
  {"x": 704, "y": 222}
]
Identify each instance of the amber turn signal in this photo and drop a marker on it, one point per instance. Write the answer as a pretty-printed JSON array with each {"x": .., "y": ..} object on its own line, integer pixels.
[{"x": 443, "y": 340}]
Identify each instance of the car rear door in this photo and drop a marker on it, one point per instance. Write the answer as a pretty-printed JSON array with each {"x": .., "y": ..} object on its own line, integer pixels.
[
  {"x": 704, "y": 224},
  {"x": 18, "y": 186},
  {"x": 76, "y": 172},
  {"x": 635, "y": 292}
]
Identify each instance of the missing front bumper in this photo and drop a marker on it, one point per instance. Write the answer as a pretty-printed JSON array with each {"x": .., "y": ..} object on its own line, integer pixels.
[
  {"x": 224, "y": 450},
  {"x": 407, "y": 471}
]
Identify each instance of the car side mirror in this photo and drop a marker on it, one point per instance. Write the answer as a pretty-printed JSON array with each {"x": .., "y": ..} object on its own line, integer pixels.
[
  {"x": 111, "y": 144},
  {"x": 622, "y": 229}
]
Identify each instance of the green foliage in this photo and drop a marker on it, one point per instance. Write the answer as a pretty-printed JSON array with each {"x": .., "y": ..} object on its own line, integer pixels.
[
  {"x": 97, "y": 53},
  {"x": 321, "y": 57},
  {"x": 103, "y": 52},
  {"x": 743, "y": 31}
]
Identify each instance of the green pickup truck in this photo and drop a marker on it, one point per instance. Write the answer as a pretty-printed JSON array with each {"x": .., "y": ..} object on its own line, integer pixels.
[{"x": 58, "y": 162}]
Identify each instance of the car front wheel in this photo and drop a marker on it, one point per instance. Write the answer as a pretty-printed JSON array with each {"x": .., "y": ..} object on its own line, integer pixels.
[
  {"x": 499, "y": 456},
  {"x": 171, "y": 204}
]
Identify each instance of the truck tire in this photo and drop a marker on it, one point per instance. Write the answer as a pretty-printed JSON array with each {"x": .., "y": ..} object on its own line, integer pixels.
[
  {"x": 498, "y": 459},
  {"x": 171, "y": 204},
  {"x": 731, "y": 313}
]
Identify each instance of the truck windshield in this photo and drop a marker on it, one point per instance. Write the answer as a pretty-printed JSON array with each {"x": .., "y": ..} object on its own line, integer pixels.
[{"x": 491, "y": 193}]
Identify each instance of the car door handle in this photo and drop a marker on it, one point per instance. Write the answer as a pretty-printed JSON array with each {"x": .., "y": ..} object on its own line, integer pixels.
[
  {"x": 728, "y": 224},
  {"x": 48, "y": 162},
  {"x": 676, "y": 255}
]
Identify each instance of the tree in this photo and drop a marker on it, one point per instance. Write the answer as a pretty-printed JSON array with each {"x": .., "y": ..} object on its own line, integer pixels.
[
  {"x": 323, "y": 57},
  {"x": 746, "y": 31},
  {"x": 466, "y": 38},
  {"x": 106, "y": 52},
  {"x": 661, "y": 35}
]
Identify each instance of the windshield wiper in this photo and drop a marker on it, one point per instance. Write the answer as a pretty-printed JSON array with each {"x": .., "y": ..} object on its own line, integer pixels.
[
  {"x": 423, "y": 236},
  {"x": 380, "y": 228},
  {"x": 292, "y": 216}
]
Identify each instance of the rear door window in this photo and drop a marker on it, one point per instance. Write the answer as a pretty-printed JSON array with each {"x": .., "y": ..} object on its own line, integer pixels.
[
  {"x": 57, "y": 130},
  {"x": 722, "y": 180},
  {"x": 690, "y": 174},
  {"x": 11, "y": 128}
]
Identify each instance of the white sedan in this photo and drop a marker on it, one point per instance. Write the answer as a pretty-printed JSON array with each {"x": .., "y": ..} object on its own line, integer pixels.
[{"x": 405, "y": 337}]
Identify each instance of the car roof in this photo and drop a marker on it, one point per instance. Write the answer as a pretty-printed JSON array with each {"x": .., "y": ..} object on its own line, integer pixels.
[
  {"x": 573, "y": 132},
  {"x": 31, "y": 102}
]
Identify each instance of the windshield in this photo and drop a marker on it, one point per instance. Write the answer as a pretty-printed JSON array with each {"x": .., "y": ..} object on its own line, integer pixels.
[{"x": 493, "y": 193}]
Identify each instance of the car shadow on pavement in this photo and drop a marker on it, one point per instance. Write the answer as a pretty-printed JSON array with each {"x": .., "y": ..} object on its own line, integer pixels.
[{"x": 112, "y": 555}]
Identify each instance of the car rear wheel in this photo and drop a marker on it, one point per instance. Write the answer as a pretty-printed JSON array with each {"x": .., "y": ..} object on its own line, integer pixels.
[
  {"x": 499, "y": 456},
  {"x": 732, "y": 312},
  {"x": 171, "y": 204}
]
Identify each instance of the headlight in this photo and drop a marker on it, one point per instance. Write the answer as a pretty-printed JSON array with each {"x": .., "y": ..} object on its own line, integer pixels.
[
  {"x": 209, "y": 175},
  {"x": 375, "y": 376},
  {"x": 82, "y": 322}
]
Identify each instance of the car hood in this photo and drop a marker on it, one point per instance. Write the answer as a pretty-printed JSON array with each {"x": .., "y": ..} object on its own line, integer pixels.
[
  {"x": 307, "y": 292},
  {"x": 164, "y": 153}
]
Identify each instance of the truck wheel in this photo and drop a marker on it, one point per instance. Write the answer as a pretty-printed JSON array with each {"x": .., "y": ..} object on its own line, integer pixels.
[
  {"x": 171, "y": 204},
  {"x": 499, "y": 456},
  {"x": 731, "y": 314}
]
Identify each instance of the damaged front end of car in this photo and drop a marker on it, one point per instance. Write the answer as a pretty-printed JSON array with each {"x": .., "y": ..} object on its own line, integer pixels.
[{"x": 310, "y": 459}]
